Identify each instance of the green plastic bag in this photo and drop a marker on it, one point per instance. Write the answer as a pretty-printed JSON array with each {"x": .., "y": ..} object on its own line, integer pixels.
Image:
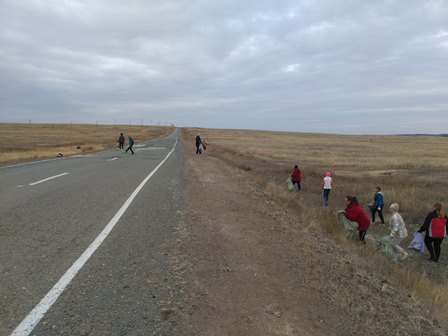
[
  {"x": 350, "y": 227},
  {"x": 383, "y": 244},
  {"x": 290, "y": 184}
]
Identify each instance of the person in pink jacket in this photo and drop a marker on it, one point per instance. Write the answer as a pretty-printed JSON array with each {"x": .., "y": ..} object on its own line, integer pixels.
[{"x": 355, "y": 213}]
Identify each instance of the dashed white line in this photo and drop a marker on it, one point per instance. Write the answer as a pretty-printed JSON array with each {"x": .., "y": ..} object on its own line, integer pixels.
[
  {"x": 29, "y": 322},
  {"x": 150, "y": 148},
  {"x": 47, "y": 179},
  {"x": 28, "y": 163},
  {"x": 113, "y": 159}
]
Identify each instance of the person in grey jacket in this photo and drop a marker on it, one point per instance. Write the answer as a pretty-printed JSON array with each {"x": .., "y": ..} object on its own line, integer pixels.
[
  {"x": 398, "y": 230},
  {"x": 121, "y": 141},
  {"x": 378, "y": 205}
]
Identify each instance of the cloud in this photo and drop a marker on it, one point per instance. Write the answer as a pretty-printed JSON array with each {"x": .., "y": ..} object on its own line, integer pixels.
[{"x": 228, "y": 64}]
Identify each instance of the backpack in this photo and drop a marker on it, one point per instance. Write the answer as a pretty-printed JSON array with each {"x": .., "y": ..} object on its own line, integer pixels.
[{"x": 437, "y": 227}]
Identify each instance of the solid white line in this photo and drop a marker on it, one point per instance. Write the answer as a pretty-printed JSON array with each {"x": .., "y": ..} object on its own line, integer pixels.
[
  {"x": 33, "y": 318},
  {"x": 47, "y": 179}
]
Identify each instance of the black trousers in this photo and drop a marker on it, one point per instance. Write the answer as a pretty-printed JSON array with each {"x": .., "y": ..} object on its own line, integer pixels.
[
  {"x": 362, "y": 235},
  {"x": 121, "y": 145},
  {"x": 130, "y": 148},
  {"x": 380, "y": 214},
  {"x": 433, "y": 251}
]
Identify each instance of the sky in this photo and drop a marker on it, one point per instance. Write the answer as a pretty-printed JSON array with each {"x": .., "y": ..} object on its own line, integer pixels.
[{"x": 328, "y": 66}]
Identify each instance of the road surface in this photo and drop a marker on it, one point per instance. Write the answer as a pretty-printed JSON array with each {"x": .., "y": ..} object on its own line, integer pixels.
[{"x": 53, "y": 210}]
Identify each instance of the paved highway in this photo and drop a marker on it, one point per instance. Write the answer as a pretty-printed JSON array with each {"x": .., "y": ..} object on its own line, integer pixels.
[{"x": 53, "y": 210}]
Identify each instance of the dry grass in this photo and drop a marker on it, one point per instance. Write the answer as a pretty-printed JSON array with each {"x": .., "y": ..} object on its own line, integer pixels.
[
  {"x": 411, "y": 170},
  {"x": 23, "y": 142}
]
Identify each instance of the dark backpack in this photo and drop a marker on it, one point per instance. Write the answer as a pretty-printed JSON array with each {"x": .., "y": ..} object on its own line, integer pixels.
[{"x": 437, "y": 227}]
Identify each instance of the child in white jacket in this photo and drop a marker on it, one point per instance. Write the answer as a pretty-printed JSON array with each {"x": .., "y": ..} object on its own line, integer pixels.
[{"x": 398, "y": 230}]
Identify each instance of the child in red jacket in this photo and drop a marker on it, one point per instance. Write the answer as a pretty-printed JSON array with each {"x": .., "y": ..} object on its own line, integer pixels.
[
  {"x": 355, "y": 213},
  {"x": 296, "y": 177}
]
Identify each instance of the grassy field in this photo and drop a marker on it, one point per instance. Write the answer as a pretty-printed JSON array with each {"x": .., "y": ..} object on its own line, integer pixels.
[
  {"x": 412, "y": 170},
  {"x": 24, "y": 142}
]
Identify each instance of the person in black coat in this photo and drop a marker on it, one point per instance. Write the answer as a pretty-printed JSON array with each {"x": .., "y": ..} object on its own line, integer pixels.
[
  {"x": 131, "y": 143},
  {"x": 121, "y": 141},
  {"x": 433, "y": 243},
  {"x": 198, "y": 144}
]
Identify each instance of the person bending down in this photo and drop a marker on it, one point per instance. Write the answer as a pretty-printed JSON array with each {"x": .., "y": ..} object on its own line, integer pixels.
[{"x": 355, "y": 213}]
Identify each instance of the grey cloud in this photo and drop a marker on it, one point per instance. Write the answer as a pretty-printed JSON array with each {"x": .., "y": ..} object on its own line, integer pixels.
[{"x": 239, "y": 64}]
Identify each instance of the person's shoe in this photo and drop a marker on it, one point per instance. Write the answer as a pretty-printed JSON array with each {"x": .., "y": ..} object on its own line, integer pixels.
[
  {"x": 431, "y": 259},
  {"x": 436, "y": 260},
  {"x": 404, "y": 256}
]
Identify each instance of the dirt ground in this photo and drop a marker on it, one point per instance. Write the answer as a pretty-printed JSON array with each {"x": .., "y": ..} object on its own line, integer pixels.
[{"x": 259, "y": 270}]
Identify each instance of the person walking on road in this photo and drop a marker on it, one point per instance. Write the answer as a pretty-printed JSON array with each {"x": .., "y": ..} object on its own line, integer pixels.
[
  {"x": 131, "y": 143},
  {"x": 199, "y": 145},
  {"x": 327, "y": 183},
  {"x": 435, "y": 226},
  {"x": 296, "y": 177},
  {"x": 378, "y": 205},
  {"x": 121, "y": 141},
  {"x": 398, "y": 230}
]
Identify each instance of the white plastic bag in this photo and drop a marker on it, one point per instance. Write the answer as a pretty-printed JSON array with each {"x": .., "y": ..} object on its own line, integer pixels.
[
  {"x": 417, "y": 243},
  {"x": 290, "y": 184}
]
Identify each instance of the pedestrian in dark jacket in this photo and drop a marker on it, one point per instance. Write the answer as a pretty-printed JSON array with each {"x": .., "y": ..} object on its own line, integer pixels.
[
  {"x": 198, "y": 144},
  {"x": 131, "y": 143},
  {"x": 121, "y": 141},
  {"x": 355, "y": 213},
  {"x": 296, "y": 177},
  {"x": 433, "y": 243},
  {"x": 378, "y": 205}
]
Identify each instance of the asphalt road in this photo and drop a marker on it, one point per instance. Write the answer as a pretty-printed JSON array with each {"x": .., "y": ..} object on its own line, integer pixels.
[{"x": 51, "y": 211}]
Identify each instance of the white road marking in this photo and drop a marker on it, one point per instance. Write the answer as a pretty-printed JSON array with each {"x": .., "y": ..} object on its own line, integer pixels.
[
  {"x": 113, "y": 159},
  {"x": 150, "y": 148},
  {"x": 32, "y": 319},
  {"x": 47, "y": 179},
  {"x": 59, "y": 158},
  {"x": 20, "y": 186},
  {"x": 27, "y": 163}
]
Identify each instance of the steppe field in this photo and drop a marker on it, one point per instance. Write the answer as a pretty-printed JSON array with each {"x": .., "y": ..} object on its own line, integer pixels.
[
  {"x": 357, "y": 282},
  {"x": 25, "y": 142}
]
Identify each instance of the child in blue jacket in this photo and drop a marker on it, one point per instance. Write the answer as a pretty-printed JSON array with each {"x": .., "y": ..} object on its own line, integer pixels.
[{"x": 378, "y": 205}]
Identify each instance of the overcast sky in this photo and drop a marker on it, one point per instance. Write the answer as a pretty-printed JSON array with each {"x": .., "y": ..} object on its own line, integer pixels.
[{"x": 339, "y": 66}]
